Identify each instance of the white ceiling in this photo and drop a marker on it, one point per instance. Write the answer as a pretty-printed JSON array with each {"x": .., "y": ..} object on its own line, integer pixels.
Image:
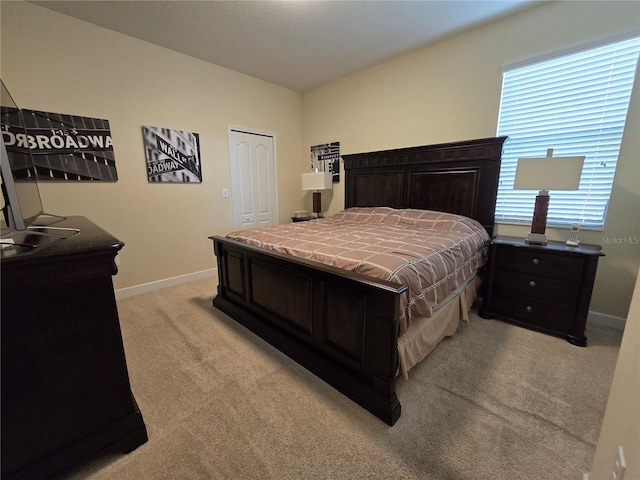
[{"x": 299, "y": 44}]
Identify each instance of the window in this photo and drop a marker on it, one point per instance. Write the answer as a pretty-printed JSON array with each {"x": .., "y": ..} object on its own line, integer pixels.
[{"x": 577, "y": 105}]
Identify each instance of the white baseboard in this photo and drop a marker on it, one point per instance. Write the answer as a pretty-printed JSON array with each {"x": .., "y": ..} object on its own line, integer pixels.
[
  {"x": 606, "y": 320},
  {"x": 167, "y": 282}
]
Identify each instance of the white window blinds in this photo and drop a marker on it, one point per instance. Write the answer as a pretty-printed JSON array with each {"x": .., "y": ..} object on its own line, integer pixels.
[{"x": 577, "y": 105}]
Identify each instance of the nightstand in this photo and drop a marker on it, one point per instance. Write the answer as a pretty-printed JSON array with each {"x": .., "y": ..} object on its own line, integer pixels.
[{"x": 543, "y": 287}]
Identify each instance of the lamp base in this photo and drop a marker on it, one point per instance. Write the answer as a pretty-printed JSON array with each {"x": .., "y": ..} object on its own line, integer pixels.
[
  {"x": 317, "y": 204},
  {"x": 537, "y": 236},
  {"x": 536, "y": 239}
]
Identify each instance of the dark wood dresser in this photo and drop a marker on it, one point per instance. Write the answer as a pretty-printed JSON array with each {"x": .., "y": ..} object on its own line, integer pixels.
[
  {"x": 65, "y": 386},
  {"x": 543, "y": 287}
]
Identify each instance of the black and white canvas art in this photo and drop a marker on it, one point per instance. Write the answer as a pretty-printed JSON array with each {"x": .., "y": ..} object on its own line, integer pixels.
[
  {"x": 65, "y": 147},
  {"x": 326, "y": 158},
  {"x": 172, "y": 155}
]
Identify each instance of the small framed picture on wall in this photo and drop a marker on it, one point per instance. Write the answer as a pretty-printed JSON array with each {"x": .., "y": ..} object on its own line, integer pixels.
[
  {"x": 172, "y": 155},
  {"x": 326, "y": 158}
]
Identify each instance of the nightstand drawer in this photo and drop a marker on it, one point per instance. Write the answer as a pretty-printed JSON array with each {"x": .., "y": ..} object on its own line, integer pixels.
[
  {"x": 532, "y": 260},
  {"x": 548, "y": 288},
  {"x": 536, "y": 312}
]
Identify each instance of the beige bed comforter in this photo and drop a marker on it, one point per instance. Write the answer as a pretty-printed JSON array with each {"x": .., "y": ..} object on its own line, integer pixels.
[{"x": 431, "y": 253}]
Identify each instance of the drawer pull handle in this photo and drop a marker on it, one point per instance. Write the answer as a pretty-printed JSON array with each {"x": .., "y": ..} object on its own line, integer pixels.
[
  {"x": 532, "y": 283},
  {"x": 529, "y": 308},
  {"x": 536, "y": 261}
]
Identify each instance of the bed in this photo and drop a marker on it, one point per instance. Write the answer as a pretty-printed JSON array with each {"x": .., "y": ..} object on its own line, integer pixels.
[{"x": 345, "y": 326}]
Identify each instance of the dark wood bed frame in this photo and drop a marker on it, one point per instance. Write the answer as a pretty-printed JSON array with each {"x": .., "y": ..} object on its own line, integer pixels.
[{"x": 340, "y": 325}]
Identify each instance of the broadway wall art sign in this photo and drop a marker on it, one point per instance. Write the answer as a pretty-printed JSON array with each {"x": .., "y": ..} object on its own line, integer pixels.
[
  {"x": 172, "y": 155},
  {"x": 65, "y": 147}
]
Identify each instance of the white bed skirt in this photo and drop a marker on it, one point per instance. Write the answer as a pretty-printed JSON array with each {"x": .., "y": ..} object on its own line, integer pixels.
[{"x": 424, "y": 334}]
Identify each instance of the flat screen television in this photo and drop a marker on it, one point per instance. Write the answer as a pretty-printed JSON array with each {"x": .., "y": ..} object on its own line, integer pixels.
[{"x": 22, "y": 202}]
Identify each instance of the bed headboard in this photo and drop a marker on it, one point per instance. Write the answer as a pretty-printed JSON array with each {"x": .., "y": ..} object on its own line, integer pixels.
[{"x": 460, "y": 177}]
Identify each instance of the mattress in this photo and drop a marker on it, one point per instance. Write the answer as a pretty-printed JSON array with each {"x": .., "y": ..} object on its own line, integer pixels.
[{"x": 431, "y": 253}]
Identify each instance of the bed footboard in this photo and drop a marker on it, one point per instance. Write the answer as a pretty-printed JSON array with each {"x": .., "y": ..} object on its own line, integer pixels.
[{"x": 341, "y": 326}]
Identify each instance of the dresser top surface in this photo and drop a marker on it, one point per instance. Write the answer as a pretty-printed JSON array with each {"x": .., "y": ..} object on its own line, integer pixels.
[{"x": 90, "y": 238}]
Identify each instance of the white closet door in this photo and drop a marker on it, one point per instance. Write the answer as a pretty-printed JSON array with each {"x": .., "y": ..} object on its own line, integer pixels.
[{"x": 253, "y": 177}]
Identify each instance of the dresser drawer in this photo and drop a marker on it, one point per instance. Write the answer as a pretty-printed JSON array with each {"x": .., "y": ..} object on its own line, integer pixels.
[
  {"x": 538, "y": 262},
  {"x": 536, "y": 312},
  {"x": 547, "y": 288}
]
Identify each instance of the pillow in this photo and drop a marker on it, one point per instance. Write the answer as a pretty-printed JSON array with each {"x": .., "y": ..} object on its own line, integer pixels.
[
  {"x": 363, "y": 214},
  {"x": 433, "y": 219}
]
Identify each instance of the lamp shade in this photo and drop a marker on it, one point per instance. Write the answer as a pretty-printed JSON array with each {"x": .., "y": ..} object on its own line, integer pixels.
[
  {"x": 317, "y": 181},
  {"x": 544, "y": 174},
  {"x": 548, "y": 173}
]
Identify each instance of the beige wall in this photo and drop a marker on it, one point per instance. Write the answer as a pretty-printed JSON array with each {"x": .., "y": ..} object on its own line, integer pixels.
[
  {"x": 54, "y": 63},
  {"x": 451, "y": 91},
  {"x": 621, "y": 425}
]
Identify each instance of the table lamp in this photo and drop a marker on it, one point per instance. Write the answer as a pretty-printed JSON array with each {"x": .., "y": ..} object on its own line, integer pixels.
[
  {"x": 317, "y": 181},
  {"x": 544, "y": 174}
]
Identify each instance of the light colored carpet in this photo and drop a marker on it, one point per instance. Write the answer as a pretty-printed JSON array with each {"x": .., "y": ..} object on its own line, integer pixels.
[{"x": 494, "y": 402}]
